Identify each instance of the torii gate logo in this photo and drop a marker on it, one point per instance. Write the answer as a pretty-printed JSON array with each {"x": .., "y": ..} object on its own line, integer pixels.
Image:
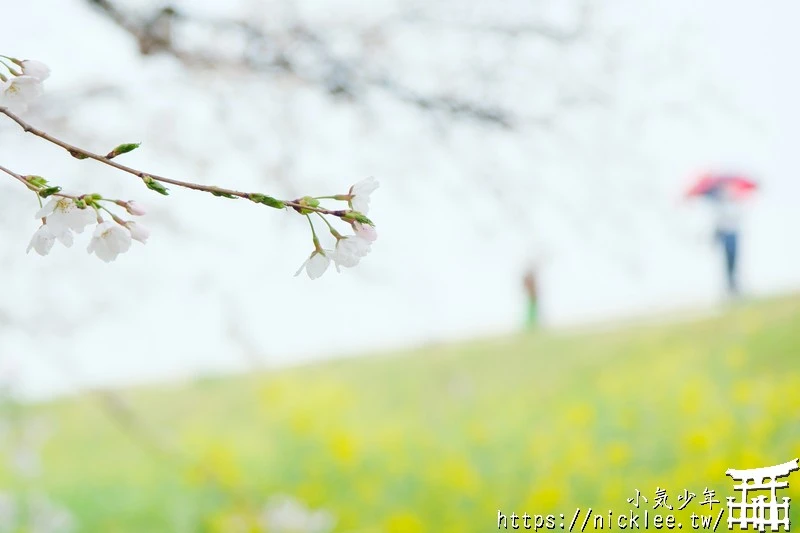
[{"x": 761, "y": 512}]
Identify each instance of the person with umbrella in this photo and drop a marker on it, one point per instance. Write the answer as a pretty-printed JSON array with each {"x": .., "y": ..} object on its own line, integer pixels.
[{"x": 726, "y": 192}]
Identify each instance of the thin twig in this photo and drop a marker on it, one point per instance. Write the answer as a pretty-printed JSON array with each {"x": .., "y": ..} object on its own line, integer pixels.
[
  {"x": 17, "y": 176},
  {"x": 33, "y": 187},
  {"x": 86, "y": 154}
]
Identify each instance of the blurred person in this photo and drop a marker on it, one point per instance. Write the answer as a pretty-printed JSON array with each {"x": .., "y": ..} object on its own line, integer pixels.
[
  {"x": 727, "y": 235},
  {"x": 727, "y": 193},
  {"x": 530, "y": 283}
]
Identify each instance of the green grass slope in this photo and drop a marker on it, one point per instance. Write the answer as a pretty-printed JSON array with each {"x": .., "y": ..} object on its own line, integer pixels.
[{"x": 440, "y": 439}]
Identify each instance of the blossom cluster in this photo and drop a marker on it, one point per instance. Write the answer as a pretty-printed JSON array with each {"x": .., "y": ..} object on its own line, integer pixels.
[
  {"x": 65, "y": 214},
  {"x": 23, "y": 82},
  {"x": 62, "y": 216},
  {"x": 349, "y": 249}
]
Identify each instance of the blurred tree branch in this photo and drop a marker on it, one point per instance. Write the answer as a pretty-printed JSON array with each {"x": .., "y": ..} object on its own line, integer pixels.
[
  {"x": 279, "y": 52},
  {"x": 549, "y": 32},
  {"x": 306, "y": 52}
]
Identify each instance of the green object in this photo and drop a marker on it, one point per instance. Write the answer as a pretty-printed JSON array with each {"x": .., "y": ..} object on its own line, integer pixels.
[
  {"x": 154, "y": 185},
  {"x": 266, "y": 200},
  {"x": 533, "y": 314},
  {"x": 122, "y": 149}
]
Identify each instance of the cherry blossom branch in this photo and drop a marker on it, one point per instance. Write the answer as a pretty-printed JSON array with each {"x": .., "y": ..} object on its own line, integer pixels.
[
  {"x": 67, "y": 213},
  {"x": 81, "y": 153},
  {"x": 31, "y": 183},
  {"x": 19, "y": 177}
]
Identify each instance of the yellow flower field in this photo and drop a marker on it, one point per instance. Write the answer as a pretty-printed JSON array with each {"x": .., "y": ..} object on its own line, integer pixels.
[{"x": 442, "y": 439}]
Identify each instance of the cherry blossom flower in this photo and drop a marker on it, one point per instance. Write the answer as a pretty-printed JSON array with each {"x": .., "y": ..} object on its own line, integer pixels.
[
  {"x": 20, "y": 91},
  {"x": 62, "y": 214},
  {"x": 316, "y": 264},
  {"x": 138, "y": 232},
  {"x": 360, "y": 192},
  {"x": 44, "y": 239},
  {"x": 349, "y": 251},
  {"x": 109, "y": 240},
  {"x": 35, "y": 69},
  {"x": 134, "y": 208},
  {"x": 365, "y": 231}
]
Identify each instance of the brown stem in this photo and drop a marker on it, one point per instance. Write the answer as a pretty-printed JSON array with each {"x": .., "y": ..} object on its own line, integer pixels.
[
  {"x": 32, "y": 187},
  {"x": 75, "y": 151}
]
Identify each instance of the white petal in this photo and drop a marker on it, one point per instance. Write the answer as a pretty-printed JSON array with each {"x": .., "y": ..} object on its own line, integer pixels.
[
  {"x": 135, "y": 209},
  {"x": 365, "y": 187},
  {"x": 362, "y": 246},
  {"x": 35, "y": 69},
  {"x": 23, "y": 89},
  {"x": 299, "y": 270},
  {"x": 120, "y": 240},
  {"x": 138, "y": 232},
  {"x": 355, "y": 246},
  {"x": 58, "y": 224},
  {"x": 365, "y": 231},
  {"x": 77, "y": 219},
  {"x": 104, "y": 251},
  {"x": 337, "y": 258},
  {"x": 317, "y": 265},
  {"x": 106, "y": 255},
  {"x": 65, "y": 237},
  {"x": 345, "y": 259},
  {"x": 102, "y": 227},
  {"x": 360, "y": 194},
  {"x": 47, "y": 209},
  {"x": 107, "y": 243},
  {"x": 42, "y": 241},
  {"x": 360, "y": 203}
]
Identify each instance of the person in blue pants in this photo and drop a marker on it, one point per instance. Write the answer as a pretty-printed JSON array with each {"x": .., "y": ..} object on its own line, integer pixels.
[{"x": 728, "y": 236}]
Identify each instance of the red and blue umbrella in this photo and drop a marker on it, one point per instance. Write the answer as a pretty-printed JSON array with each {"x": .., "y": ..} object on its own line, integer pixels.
[{"x": 713, "y": 186}]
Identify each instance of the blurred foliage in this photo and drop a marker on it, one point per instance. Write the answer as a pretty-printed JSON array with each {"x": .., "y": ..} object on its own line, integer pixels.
[{"x": 443, "y": 438}]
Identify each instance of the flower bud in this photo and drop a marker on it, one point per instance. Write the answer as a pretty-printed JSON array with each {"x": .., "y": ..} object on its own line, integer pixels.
[
  {"x": 138, "y": 232},
  {"x": 122, "y": 149},
  {"x": 49, "y": 191},
  {"x": 37, "y": 181},
  {"x": 358, "y": 217},
  {"x": 155, "y": 185},
  {"x": 134, "y": 208},
  {"x": 266, "y": 200}
]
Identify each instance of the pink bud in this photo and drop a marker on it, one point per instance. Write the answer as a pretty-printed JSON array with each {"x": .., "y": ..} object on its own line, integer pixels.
[
  {"x": 365, "y": 231},
  {"x": 134, "y": 208},
  {"x": 138, "y": 232}
]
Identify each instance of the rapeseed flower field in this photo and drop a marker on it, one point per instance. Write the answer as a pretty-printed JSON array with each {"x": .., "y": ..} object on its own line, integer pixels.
[{"x": 445, "y": 438}]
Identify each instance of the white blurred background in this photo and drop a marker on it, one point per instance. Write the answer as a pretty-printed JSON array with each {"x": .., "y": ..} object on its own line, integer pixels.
[{"x": 499, "y": 133}]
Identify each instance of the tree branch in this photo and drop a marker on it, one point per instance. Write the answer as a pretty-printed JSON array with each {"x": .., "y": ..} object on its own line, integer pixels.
[
  {"x": 81, "y": 153},
  {"x": 263, "y": 53}
]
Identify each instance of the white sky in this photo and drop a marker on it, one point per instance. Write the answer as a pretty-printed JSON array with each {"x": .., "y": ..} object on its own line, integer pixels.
[{"x": 166, "y": 309}]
